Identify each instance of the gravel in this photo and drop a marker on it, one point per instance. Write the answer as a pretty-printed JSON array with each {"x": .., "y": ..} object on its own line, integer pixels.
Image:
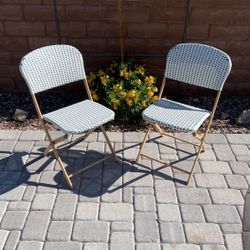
[{"x": 225, "y": 121}]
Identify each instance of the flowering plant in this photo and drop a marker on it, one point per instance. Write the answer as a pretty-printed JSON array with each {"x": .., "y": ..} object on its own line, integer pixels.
[{"x": 126, "y": 88}]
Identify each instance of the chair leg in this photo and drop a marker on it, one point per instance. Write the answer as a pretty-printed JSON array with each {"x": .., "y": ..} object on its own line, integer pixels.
[
  {"x": 159, "y": 129},
  {"x": 66, "y": 176},
  {"x": 52, "y": 144},
  {"x": 109, "y": 143},
  {"x": 57, "y": 140},
  {"x": 143, "y": 143},
  {"x": 200, "y": 138},
  {"x": 195, "y": 161}
]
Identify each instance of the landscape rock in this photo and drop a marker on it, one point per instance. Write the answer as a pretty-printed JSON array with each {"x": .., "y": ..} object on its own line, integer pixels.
[
  {"x": 20, "y": 115},
  {"x": 244, "y": 117}
]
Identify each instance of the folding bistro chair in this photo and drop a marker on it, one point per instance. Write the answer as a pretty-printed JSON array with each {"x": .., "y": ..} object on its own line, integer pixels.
[
  {"x": 196, "y": 64},
  {"x": 53, "y": 66}
]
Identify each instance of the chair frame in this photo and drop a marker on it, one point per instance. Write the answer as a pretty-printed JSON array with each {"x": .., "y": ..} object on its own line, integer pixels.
[
  {"x": 52, "y": 146},
  {"x": 199, "y": 137}
]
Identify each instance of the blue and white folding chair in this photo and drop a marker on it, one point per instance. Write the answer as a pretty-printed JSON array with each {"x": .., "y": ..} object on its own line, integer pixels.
[
  {"x": 195, "y": 64},
  {"x": 53, "y": 66}
]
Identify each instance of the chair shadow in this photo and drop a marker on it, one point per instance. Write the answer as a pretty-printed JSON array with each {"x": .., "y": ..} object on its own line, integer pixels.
[{"x": 106, "y": 177}]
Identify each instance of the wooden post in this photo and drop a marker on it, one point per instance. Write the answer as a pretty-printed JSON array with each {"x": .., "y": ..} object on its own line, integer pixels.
[
  {"x": 57, "y": 22},
  {"x": 186, "y": 22},
  {"x": 121, "y": 21}
]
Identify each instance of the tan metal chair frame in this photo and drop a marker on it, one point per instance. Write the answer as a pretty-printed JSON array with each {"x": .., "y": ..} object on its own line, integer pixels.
[
  {"x": 199, "y": 137},
  {"x": 52, "y": 146}
]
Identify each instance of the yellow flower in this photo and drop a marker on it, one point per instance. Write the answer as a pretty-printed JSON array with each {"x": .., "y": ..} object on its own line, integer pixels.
[
  {"x": 118, "y": 86},
  {"x": 122, "y": 93},
  {"x": 128, "y": 101},
  {"x": 92, "y": 75},
  {"x": 155, "y": 98},
  {"x": 101, "y": 72},
  {"x": 90, "y": 81},
  {"x": 149, "y": 79},
  {"x": 115, "y": 103},
  {"x": 123, "y": 72},
  {"x": 138, "y": 81},
  {"x": 150, "y": 93},
  {"x": 104, "y": 79},
  {"x": 94, "y": 95},
  {"x": 155, "y": 89},
  {"x": 144, "y": 104},
  {"x": 140, "y": 70},
  {"x": 126, "y": 74},
  {"x": 136, "y": 99},
  {"x": 132, "y": 93}
]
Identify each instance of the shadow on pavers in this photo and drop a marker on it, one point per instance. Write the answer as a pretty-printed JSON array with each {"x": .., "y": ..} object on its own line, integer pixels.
[{"x": 44, "y": 172}]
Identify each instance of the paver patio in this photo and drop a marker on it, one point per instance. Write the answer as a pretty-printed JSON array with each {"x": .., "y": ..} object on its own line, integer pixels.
[{"x": 141, "y": 206}]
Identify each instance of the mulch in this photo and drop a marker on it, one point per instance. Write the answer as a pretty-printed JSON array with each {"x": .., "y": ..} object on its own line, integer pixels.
[{"x": 225, "y": 120}]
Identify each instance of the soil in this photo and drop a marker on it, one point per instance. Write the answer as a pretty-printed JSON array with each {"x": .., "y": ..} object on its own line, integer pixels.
[{"x": 225, "y": 120}]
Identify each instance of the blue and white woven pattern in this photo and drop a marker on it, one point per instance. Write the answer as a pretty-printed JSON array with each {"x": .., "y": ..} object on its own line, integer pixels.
[
  {"x": 52, "y": 66},
  {"x": 80, "y": 117},
  {"x": 175, "y": 115},
  {"x": 198, "y": 64}
]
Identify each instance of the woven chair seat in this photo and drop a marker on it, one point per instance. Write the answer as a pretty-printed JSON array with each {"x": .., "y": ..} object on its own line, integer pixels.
[
  {"x": 175, "y": 115},
  {"x": 80, "y": 117}
]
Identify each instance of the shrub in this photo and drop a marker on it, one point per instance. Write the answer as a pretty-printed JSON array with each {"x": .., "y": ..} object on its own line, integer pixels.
[{"x": 126, "y": 88}]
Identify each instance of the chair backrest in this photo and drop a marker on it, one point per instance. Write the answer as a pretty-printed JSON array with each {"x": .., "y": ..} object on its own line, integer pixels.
[
  {"x": 198, "y": 64},
  {"x": 52, "y": 66}
]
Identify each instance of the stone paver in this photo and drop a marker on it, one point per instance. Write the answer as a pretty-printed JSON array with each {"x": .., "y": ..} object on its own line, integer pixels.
[
  {"x": 146, "y": 227},
  {"x": 203, "y": 233},
  {"x": 172, "y": 232},
  {"x": 226, "y": 196},
  {"x": 122, "y": 240},
  {"x": 10, "y": 134},
  {"x": 122, "y": 226},
  {"x": 11, "y": 192},
  {"x": 221, "y": 214},
  {"x": 87, "y": 211},
  {"x": 236, "y": 181},
  {"x": 142, "y": 206},
  {"x": 95, "y": 246},
  {"x": 223, "y": 152},
  {"x": 210, "y": 181},
  {"x": 43, "y": 202},
  {"x": 234, "y": 241},
  {"x": 36, "y": 226},
  {"x": 145, "y": 203},
  {"x": 92, "y": 231},
  {"x": 65, "y": 207},
  {"x": 120, "y": 212},
  {"x": 31, "y": 136},
  {"x": 13, "y": 220},
  {"x": 193, "y": 195},
  {"x": 3, "y": 237},
  {"x": 12, "y": 241},
  {"x": 19, "y": 206},
  {"x": 192, "y": 213},
  {"x": 215, "y": 167},
  {"x": 63, "y": 245},
  {"x": 30, "y": 245},
  {"x": 238, "y": 139},
  {"x": 169, "y": 212},
  {"x": 240, "y": 168},
  {"x": 181, "y": 247},
  {"x": 148, "y": 246},
  {"x": 59, "y": 231}
]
